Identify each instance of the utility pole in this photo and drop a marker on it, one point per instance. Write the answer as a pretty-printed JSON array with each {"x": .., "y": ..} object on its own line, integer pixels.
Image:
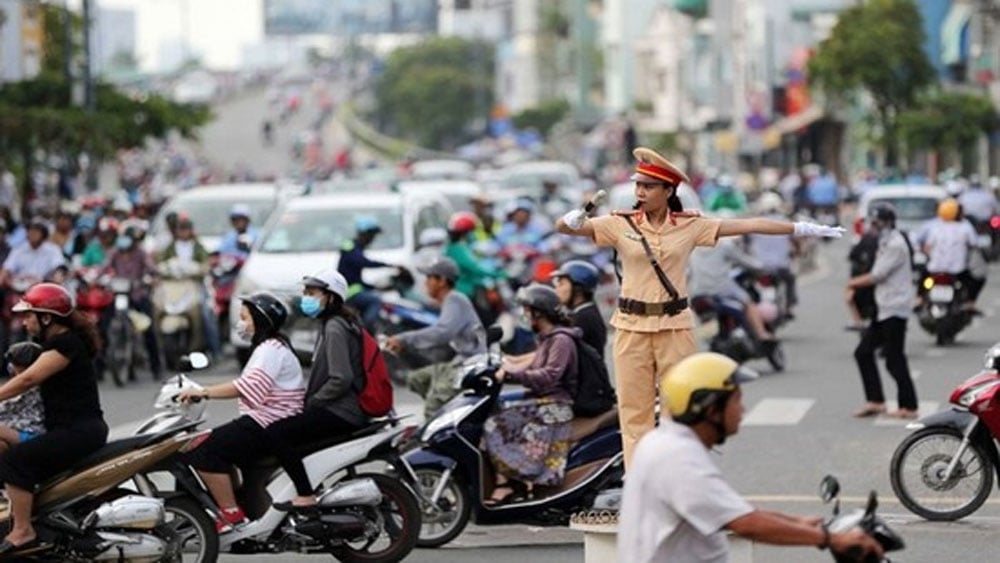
[{"x": 89, "y": 99}]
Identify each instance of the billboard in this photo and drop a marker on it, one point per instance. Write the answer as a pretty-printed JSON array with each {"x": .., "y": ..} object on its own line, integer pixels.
[{"x": 349, "y": 17}]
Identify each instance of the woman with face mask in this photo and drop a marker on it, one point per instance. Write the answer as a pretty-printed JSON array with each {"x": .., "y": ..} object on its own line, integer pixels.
[
  {"x": 269, "y": 389},
  {"x": 528, "y": 440},
  {"x": 331, "y": 401}
]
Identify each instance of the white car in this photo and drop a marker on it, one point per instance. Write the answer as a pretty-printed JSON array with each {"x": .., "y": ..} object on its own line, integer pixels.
[
  {"x": 457, "y": 192},
  {"x": 443, "y": 169},
  {"x": 915, "y": 204},
  {"x": 306, "y": 236},
  {"x": 526, "y": 178},
  {"x": 208, "y": 207}
]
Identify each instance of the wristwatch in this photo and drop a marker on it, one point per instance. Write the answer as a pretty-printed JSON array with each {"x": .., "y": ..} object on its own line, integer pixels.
[{"x": 826, "y": 537}]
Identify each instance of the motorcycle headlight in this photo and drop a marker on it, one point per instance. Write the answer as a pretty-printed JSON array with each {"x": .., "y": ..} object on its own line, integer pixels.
[
  {"x": 445, "y": 420},
  {"x": 992, "y": 357},
  {"x": 974, "y": 392}
]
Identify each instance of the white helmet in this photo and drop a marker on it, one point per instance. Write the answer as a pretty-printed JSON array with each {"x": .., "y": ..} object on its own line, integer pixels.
[
  {"x": 770, "y": 202},
  {"x": 328, "y": 279}
]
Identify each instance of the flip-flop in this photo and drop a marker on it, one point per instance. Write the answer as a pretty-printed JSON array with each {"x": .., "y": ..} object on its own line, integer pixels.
[
  {"x": 503, "y": 499},
  {"x": 7, "y": 548},
  {"x": 869, "y": 410}
]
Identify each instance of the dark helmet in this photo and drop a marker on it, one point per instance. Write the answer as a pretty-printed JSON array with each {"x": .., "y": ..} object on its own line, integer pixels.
[
  {"x": 40, "y": 226},
  {"x": 884, "y": 213},
  {"x": 269, "y": 306},
  {"x": 541, "y": 298},
  {"x": 579, "y": 273},
  {"x": 22, "y": 354}
]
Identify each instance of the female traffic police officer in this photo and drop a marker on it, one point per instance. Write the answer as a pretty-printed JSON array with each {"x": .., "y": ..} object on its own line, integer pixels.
[{"x": 654, "y": 241}]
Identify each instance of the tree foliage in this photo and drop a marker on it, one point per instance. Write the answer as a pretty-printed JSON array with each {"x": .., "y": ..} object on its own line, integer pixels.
[
  {"x": 543, "y": 117},
  {"x": 947, "y": 121},
  {"x": 39, "y": 114},
  {"x": 431, "y": 92},
  {"x": 876, "y": 47}
]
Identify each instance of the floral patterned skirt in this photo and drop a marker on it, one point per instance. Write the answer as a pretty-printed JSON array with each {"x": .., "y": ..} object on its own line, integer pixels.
[{"x": 529, "y": 440}]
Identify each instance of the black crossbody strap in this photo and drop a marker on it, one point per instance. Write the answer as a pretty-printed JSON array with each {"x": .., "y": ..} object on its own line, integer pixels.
[{"x": 660, "y": 274}]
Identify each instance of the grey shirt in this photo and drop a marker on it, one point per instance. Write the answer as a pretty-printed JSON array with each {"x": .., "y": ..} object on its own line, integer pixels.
[
  {"x": 458, "y": 327},
  {"x": 893, "y": 275},
  {"x": 334, "y": 379},
  {"x": 711, "y": 268}
]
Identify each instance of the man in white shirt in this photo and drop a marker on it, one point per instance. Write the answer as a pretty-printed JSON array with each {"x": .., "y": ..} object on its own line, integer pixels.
[
  {"x": 947, "y": 243},
  {"x": 36, "y": 258},
  {"x": 676, "y": 506}
]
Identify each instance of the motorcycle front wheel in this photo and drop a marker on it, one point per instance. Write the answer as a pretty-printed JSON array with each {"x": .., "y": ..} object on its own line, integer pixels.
[
  {"x": 448, "y": 518},
  {"x": 398, "y": 516},
  {"x": 192, "y": 529},
  {"x": 918, "y": 471}
]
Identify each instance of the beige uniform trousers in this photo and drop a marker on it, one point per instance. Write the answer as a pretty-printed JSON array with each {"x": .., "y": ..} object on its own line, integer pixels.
[{"x": 641, "y": 359}]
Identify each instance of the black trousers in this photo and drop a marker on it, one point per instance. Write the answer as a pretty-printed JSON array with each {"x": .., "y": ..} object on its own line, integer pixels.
[
  {"x": 236, "y": 442},
  {"x": 890, "y": 335},
  {"x": 287, "y": 436},
  {"x": 30, "y": 463}
]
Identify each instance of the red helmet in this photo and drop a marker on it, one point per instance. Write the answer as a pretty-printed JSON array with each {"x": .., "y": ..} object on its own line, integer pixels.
[
  {"x": 46, "y": 298},
  {"x": 462, "y": 222}
]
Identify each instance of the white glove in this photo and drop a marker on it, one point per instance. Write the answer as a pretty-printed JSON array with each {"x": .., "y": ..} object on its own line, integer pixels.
[
  {"x": 575, "y": 218},
  {"x": 803, "y": 229}
]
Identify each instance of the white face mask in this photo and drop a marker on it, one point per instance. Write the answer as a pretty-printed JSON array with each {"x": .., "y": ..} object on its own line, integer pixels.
[{"x": 243, "y": 330}]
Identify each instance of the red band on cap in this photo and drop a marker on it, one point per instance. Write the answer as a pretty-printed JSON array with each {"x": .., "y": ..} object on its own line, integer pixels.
[{"x": 658, "y": 172}]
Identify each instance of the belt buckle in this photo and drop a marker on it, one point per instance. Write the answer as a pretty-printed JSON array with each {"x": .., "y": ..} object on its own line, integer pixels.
[{"x": 653, "y": 309}]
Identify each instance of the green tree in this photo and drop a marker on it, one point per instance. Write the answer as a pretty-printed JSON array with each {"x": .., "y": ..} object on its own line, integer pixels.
[
  {"x": 39, "y": 114},
  {"x": 543, "y": 117},
  {"x": 430, "y": 93},
  {"x": 947, "y": 122},
  {"x": 876, "y": 47}
]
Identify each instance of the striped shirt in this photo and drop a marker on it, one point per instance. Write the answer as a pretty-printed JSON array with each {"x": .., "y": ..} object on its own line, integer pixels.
[{"x": 271, "y": 386}]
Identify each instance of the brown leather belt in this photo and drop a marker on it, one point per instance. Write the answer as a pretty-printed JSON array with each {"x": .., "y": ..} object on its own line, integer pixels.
[{"x": 635, "y": 307}]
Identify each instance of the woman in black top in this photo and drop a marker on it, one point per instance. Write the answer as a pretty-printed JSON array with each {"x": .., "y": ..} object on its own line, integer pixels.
[
  {"x": 74, "y": 422},
  {"x": 575, "y": 283}
]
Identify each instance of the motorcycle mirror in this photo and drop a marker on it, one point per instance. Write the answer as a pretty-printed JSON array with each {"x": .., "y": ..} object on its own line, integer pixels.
[
  {"x": 493, "y": 334},
  {"x": 197, "y": 360},
  {"x": 872, "y": 504},
  {"x": 829, "y": 488}
]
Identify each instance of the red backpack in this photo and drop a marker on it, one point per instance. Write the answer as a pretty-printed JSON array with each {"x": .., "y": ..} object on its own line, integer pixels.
[{"x": 375, "y": 398}]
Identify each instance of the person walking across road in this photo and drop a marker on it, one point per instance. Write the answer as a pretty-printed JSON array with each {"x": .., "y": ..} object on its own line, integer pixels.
[
  {"x": 892, "y": 277},
  {"x": 654, "y": 242}
]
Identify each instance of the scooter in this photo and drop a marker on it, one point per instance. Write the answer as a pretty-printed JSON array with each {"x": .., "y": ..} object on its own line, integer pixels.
[
  {"x": 941, "y": 311},
  {"x": 223, "y": 269},
  {"x": 944, "y": 470},
  {"x": 361, "y": 516},
  {"x": 177, "y": 303},
  {"x": 453, "y": 479},
  {"x": 85, "y": 514},
  {"x": 866, "y": 520},
  {"x": 734, "y": 337}
]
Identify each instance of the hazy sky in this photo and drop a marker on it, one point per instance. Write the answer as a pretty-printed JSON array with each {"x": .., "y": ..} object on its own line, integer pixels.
[{"x": 218, "y": 29}]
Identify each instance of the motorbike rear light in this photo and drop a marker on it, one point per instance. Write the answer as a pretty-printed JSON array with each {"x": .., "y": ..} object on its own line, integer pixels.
[
  {"x": 928, "y": 283},
  {"x": 859, "y": 226},
  {"x": 765, "y": 281},
  {"x": 943, "y": 279},
  {"x": 995, "y": 221},
  {"x": 196, "y": 441}
]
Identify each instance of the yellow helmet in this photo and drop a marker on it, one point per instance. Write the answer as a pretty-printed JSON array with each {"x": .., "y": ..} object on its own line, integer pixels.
[
  {"x": 698, "y": 381},
  {"x": 948, "y": 209}
]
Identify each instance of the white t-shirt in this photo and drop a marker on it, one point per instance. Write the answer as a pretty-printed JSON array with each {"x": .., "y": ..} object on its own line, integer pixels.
[
  {"x": 676, "y": 503},
  {"x": 949, "y": 243},
  {"x": 271, "y": 386}
]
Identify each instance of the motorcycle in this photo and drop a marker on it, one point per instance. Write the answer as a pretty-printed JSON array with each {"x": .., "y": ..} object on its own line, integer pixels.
[
  {"x": 92, "y": 293},
  {"x": 867, "y": 520},
  {"x": 362, "y": 517},
  {"x": 177, "y": 302},
  {"x": 126, "y": 350},
  {"x": 768, "y": 291},
  {"x": 734, "y": 337},
  {"x": 944, "y": 470},
  {"x": 453, "y": 480},
  {"x": 941, "y": 311},
  {"x": 224, "y": 269},
  {"x": 84, "y": 514}
]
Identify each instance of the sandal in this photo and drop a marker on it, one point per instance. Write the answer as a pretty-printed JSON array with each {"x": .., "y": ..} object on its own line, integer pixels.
[
  {"x": 904, "y": 414},
  {"x": 514, "y": 492},
  {"x": 869, "y": 409}
]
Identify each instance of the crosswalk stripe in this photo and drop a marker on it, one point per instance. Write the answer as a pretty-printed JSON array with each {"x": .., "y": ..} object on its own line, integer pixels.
[{"x": 778, "y": 412}]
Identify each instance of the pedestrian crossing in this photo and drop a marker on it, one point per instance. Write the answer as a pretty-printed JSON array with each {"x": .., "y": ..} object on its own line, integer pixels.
[{"x": 791, "y": 411}]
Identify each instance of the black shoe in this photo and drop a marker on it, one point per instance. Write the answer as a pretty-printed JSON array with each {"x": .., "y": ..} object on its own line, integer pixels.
[{"x": 287, "y": 506}]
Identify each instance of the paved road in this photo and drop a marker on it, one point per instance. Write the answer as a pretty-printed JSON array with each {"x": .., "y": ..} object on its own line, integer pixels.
[{"x": 797, "y": 428}]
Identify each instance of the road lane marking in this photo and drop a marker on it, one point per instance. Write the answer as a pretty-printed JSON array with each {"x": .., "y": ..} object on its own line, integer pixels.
[
  {"x": 925, "y": 408},
  {"x": 778, "y": 412}
]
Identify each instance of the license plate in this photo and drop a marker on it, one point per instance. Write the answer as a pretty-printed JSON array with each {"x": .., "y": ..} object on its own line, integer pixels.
[
  {"x": 767, "y": 294},
  {"x": 942, "y": 293}
]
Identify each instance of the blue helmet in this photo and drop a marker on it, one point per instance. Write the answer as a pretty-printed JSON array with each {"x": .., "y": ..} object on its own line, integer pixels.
[
  {"x": 367, "y": 224},
  {"x": 579, "y": 273}
]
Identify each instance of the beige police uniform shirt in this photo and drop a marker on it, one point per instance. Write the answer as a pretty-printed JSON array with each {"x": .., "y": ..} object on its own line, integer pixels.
[{"x": 671, "y": 245}]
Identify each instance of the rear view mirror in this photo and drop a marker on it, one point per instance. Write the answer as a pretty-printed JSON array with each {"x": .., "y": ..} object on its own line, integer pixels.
[
  {"x": 829, "y": 488},
  {"x": 494, "y": 334},
  {"x": 197, "y": 360}
]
